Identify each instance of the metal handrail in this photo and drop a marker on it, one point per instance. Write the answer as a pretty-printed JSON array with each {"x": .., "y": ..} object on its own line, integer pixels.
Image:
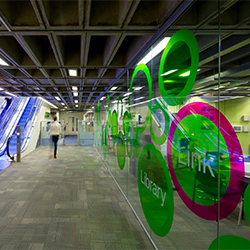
[
  {"x": 12, "y": 103},
  {"x": 10, "y": 117}
]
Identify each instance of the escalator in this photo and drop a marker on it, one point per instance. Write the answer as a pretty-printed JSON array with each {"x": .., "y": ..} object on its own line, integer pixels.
[
  {"x": 26, "y": 123},
  {"x": 9, "y": 121},
  {"x": 4, "y": 105}
]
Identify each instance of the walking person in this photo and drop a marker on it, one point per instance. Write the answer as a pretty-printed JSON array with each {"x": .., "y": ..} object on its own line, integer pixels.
[{"x": 55, "y": 131}]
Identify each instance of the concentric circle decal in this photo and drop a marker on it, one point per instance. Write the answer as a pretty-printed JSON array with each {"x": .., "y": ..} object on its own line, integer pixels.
[
  {"x": 193, "y": 160},
  {"x": 114, "y": 126},
  {"x": 121, "y": 151},
  {"x": 145, "y": 69},
  {"x": 155, "y": 189},
  {"x": 176, "y": 78},
  {"x": 126, "y": 123},
  {"x": 247, "y": 203},
  {"x": 136, "y": 145},
  {"x": 232, "y": 242},
  {"x": 159, "y": 140}
]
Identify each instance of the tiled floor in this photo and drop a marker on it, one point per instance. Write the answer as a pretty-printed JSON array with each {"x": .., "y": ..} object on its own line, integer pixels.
[{"x": 66, "y": 203}]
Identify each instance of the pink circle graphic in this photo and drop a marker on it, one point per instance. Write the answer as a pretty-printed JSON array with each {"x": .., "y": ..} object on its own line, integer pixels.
[{"x": 232, "y": 196}]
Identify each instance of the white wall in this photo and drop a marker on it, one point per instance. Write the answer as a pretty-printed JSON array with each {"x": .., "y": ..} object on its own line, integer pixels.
[{"x": 36, "y": 129}]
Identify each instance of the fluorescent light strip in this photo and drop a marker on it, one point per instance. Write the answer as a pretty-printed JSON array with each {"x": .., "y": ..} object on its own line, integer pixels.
[
  {"x": 115, "y": 101},
  {"x": 63, "y": 103},
  {"x": 138, "y": 88},
  {"x": 74, "y": 88},
  {"x": 155, "y": 51},
  {"x": 76, "y": 101},
  {"x": 114, "y": 88},
  {"x": 57, "y": 98},
  {"x": 1, "y": 89},
  {"x": 126, "y": 94},
  {"x": 233, "y": 88},
  {"x": 8, "y": 93},
  {"x": 169, "y": 72},
  {"x": 3, "y": 63},
  {"x": 185, "y": 74},
  {"x": 139, "y": 98},
  {"x": 75, "y": 93},
  {"x": 72, "y": 72},
  {"x": 48, "y": 102},
  {"x": 221, "y": 87}
]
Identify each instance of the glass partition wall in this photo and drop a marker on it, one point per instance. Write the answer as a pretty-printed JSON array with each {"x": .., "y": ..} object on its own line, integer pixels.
[{"x": 177, "y": 142}]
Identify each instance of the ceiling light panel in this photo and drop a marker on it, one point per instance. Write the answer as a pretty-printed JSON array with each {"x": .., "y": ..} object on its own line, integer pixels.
[{"x": 72, "y": 72}]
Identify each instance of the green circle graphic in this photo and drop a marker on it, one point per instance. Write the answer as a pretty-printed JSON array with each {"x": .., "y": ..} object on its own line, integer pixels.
[
  {"x": 114, "y": 126},
  {"x": 155, "y": 190},
  {"x": 136, "y": 145},
  {"x": 195, "y": 159},
  {"x": 145, "y": 69},
  {"x": 247, "y": 203},
  {"x": 105, "y": 142},
  {"x": 129, "y": 145},
  {"x": 126, "y": 123},
  {"x": 109, "y": 118},
  {"x": 159, "y": 140},
  {"x": 121, "y": 150},
  {"x": 178, "y": 67},
  {"x": 232, "y": 242}
]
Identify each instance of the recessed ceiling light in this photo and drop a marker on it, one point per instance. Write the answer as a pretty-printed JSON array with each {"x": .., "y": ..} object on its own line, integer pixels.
[
  {"x": 76, "y": 105},
  {"x": 93, "y": 107},
  {"x": 75, "y": 93},
  {"x": 72, "y": 72},
  {"x": 74, "y": 88},
  {"x": 3, "y": 63},
  {"x": 114, "y": 88},
  {"x": 76, "y": 101},
  {"x": 57, "y": 98},
  {"x": 63, "y": 103}
]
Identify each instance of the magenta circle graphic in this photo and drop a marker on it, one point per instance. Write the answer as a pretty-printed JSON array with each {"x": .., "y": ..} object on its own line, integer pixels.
[{"x": 231, "y": 198}]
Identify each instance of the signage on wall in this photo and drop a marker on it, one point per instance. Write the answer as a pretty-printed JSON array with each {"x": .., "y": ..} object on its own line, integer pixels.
[{"x": 201, "y": 154}]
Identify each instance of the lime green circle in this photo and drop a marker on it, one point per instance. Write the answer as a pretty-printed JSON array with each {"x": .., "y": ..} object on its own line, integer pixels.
[
  {"x": 128, "y": 142},
  {"x": 181, "y": 36},
  {"x": 109, "y": 118},
  {"x": 108, "y": 103},
  {"x": 247, "y": 203},
  {"x": 145, "y": 69},
  {"x": 136, "y": 145},
  {"x": 105, "y": 142},
  {"x": 159, "y": 140},
  {"x": 126, "y": 123},
  {"x": 114, "y": 126},
  {"x": 195, "y": 142},
  {"x": 232, "y": 242},
  {"x": 121, "y": 150},
  {"x": 155, "y": 190}
]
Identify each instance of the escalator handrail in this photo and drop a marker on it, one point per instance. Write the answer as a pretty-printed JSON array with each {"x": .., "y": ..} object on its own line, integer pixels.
[
  {"x": 7, "y": 148},
  {"x": 10, "y": 115},
  {"x": 38, "y": 103},
  {"x": 12, "y": 104}
]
